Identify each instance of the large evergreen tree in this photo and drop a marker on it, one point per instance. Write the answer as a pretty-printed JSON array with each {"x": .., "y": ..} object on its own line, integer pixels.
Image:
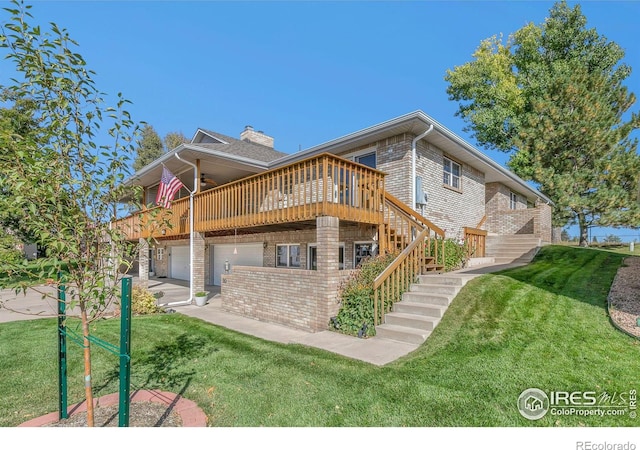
[
  {"x": 149, "y": 147},
  {"x": 174, "y": 139},
  {"x": 553, "y": 96}
]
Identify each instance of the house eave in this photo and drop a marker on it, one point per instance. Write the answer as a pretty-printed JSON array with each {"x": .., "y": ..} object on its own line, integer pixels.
[{"x": 150, "y": 174}]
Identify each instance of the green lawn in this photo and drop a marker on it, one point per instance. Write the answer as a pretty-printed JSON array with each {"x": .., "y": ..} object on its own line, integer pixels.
[{"x": 544, "y": 325}]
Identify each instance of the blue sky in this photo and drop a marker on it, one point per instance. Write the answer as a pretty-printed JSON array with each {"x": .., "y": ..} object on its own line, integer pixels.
[{"x": 302, "y": 72}]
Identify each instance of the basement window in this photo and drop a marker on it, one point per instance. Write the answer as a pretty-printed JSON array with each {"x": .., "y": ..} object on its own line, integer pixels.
[{"x": 288, "y": 255}]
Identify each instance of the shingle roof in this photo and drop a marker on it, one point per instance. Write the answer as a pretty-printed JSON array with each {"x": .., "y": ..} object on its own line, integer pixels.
[{"x": 245, "y": 149}]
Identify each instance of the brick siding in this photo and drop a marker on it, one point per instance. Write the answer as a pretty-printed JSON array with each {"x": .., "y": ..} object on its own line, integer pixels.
[
  {"x": 524, "y": 219},
  {"x": 449, "y": 209}
]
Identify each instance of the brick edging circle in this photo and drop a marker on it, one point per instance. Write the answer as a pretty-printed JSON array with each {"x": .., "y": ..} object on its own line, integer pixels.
[{"x": 189, "y": 412}]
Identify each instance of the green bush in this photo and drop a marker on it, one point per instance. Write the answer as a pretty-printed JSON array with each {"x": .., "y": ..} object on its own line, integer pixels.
[
  {"x": 356, "y": 298},
  {"x": 9, "y": 253},
  {"x": 143, "y": 301},
  {"x": 455, "y": 254}
]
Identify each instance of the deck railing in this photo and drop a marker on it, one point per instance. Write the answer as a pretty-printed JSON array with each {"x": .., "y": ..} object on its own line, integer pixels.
[
  {"x": 322, "y": 185},
  {"x": 475, "y": 241},
  {"x": 421, "y": 246}
]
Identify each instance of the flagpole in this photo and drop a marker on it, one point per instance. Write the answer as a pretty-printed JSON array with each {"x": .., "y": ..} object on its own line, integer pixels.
[{"x": 191, "y": 249}]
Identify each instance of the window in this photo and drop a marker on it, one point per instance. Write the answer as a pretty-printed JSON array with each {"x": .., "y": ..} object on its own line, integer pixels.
[
  {"x": 312, "y": 257},
  {"x": 160, "y": 254},
  {"x": 513, "y": 200},
  {"x": 451, "y": 175},
  {"x": 361, "y": 251},
  {"x": 288, "y": 255},
  {"x": 367, "y": 160}
]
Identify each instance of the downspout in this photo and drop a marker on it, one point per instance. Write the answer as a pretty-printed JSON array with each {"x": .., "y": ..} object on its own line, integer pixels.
[
  {"x": 413, "y": 165},
  {"x": 191, "y": 249}
]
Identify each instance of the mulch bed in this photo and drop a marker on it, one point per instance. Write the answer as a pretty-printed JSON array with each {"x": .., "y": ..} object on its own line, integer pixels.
[
  {"x": 146, "y": 409},
  {"x": 141, "y": 414},
  {"x": 624, "y": 296}
]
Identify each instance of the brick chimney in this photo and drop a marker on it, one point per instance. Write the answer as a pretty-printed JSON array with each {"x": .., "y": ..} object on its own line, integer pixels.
[{"x": 257, "y": 137}]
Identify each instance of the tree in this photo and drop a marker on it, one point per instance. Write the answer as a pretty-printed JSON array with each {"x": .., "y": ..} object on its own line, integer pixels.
[
  {"x": 612, "y": 239},
  {"x": 552, "y": 96},
  {"x": 174, "y": 139},
  {"x": 15, "y": 121},
  {"x": 64, "y": 186},
  {"x": 149, "y": 147},
  {"x": 564, "y": 236}
]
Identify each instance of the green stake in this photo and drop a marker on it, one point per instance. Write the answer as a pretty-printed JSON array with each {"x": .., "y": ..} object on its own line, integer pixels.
[{"x": 125, "y": 353}]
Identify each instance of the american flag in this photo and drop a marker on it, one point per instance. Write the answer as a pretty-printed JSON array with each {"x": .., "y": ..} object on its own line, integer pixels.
[{"x": 169, "y": 186}]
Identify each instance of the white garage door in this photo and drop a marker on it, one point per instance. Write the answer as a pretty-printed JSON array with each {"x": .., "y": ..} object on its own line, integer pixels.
[
  {"x": 248, "y": 255},
  {"x": 180, "y": 263}
]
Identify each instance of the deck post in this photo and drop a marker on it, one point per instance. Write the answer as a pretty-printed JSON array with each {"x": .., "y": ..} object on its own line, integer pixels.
[
  {"x": 199, "y": 276},
  {"x": 328, "y": 238},
  {"x": 143, "y": 262}
]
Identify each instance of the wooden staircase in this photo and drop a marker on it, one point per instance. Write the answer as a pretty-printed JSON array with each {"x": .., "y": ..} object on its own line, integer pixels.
[{"x": 414, "y": 317}]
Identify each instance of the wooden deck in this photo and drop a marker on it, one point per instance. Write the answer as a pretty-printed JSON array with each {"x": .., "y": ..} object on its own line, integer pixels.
[{"x": 325, "y": 185}]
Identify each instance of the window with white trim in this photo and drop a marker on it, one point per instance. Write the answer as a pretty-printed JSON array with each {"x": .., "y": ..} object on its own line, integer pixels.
[
  {"x": 513, "y": 200},
  {"x": 366, "y": 157},
  {"x": 288, "y": 255},
  {"x": 160, "y": 254},
  {"x": 451, "y": 173}
]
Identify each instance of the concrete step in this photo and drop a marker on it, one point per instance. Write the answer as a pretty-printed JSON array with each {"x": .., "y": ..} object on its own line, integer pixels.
[
  {"x": 519, "y": 246},
  {"x": 514, "y": 247},
  {"x": 420, "y": 309},
  {"x": 425, "y": 297},
  {"x": 513, "y": 260},
  {"x": 432, "y": 288},
  {"x": 480, "y": 261},
  {"x": 511, "y": 253},
  {"x": 513, "y": 237},
  {"x": 411, "y": 321},
  {"x": 441, "y": 279},
  {"x": 402, "y": 334}
]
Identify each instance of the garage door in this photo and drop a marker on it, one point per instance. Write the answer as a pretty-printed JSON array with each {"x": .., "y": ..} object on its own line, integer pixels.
[
  {"x": 180, "y": 263},
  {"x": 247, "y": 255}
]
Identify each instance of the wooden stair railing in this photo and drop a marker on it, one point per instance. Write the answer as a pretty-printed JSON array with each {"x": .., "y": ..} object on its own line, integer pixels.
[
  {"x": 475, "y": 242},
  {"x": 421, "y": 246}
]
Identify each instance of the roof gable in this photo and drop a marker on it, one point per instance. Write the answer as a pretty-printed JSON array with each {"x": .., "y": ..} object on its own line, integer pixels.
[
  {"x": 216, "y": 141},
  {"x": 207, "y": 137}
]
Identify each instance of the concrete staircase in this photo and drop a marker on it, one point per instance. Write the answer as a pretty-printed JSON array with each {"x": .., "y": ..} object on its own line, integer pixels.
[
  {"x": 514, "y": 248},
  {"x": 414, "y": 318}
]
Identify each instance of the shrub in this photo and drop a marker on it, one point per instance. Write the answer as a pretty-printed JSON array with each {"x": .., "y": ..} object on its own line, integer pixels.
[
  {"x": 143, "y": 301},
  {"x": 356, "y": 298},
  {"x": 9, "y": 253},
  {"x": 455, "y": 254}
]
